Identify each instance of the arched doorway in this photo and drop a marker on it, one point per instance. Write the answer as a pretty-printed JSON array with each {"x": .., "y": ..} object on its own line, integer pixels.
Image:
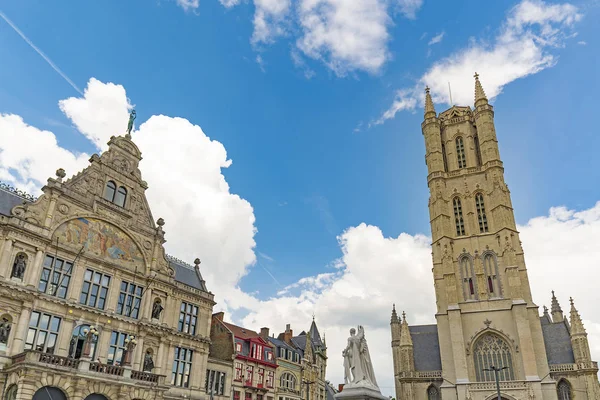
[
  {"x": 77, "y": 341},
  {"x": 49, "y": 393},
  {"x": 11, "y": 393},
  {"x": 96, "y": 396}
]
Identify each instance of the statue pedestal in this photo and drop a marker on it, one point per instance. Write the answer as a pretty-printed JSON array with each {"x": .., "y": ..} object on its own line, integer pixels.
[{"x": 360, "y": 392}]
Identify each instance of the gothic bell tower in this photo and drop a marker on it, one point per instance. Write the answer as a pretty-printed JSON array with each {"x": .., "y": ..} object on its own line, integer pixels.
[{"x": 481, "y": 284}]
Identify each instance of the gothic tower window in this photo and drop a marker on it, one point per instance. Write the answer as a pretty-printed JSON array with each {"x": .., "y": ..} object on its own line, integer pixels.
[
  {"x": 444, "y": 158},
  {"x": 109, "y": 192},
  {"x": 563, "y": 390},
  {"x": 458, "y": 217},
  {"x": 468, "y": 277},
  {"x": 477, "y": 149},
  {"x": 433, "y": 393},
  {"x": 490, "y": 267},
  {"x": 481, "y": 217},
  {"x": 460, "y": 153},
  {"x": 491, "y": 350}
]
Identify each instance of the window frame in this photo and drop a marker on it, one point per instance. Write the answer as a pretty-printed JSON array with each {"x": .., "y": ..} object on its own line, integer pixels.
[
  {"x": 120, "y": 196},
  {"x": 238, "y": 367},
  {"x": 483, "y": 360},
  {"x": 49, "y": 273},
  {"x": 564, "y": 390},
  {"x": 101, "y": 288},
  {"x": 188, "y": 320},
  {"x": 288, "y": 381},
  {"x": 461, "y": 157},
  {"x": 116, "y": 348},
  {"x": 107, "y": 187},
  {"x": 182, "y": 367},
  {"x": 459, "y": 220},
  {"x": 270, "y": 379},
  {"x": 481, "y": 215},
  {"x": 32, "y": 341},
  {"x": 215, "y": 380},
  {"x": 125, "y": 295}
]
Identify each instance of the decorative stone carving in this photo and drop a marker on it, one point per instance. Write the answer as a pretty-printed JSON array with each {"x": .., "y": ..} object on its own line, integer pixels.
[
  {"x": 19, "y": 266},
  {"x": 5, "y": 327}
]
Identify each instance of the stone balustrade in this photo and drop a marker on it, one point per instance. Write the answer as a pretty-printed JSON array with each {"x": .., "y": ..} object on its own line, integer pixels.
[
  {"x": 574, "y": 367},
  {"x": 505, "y": 385},
  {"x": 420, "y": 375}
]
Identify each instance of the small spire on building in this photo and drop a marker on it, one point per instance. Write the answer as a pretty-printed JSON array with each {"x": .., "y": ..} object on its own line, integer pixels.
[
  {"x": 429, "y": 109},
  {"x": 576, "y": 322},
  {"x": 557, "y": 312},
  {"x": 405, "y": 337},
  {"x": 394, "y": 315},
  {"x": 480, "y": 98},
  {"x": 546, "y": 311}
]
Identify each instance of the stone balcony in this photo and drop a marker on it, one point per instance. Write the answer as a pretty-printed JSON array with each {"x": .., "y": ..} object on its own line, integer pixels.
[
  {"x": 91, "y": 370},
  {"x": 567, "y": 368}
]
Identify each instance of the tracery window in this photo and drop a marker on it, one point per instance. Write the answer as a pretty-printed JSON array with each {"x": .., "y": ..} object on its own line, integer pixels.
[
  {"x": 466, "y": 267},
  {"x": 288, "y": 381},
  {"x": 491, "y": 350},
  {"x": 460, "y": 153},
  {"x": 433, "y": 393},
  {"x": 490, "y": 267},
  {"x": 477, "y": 149},
  {"x": 458, "y": 217},
  {"x": 564, "y": 390},
  {"x": 481, "y": 217},
  {"x": 444, "y": 158}
]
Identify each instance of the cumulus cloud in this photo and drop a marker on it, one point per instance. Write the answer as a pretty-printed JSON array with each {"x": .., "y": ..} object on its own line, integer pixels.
[
  {"x": 269, "y": 19},
  {"x": 523, "y": 46},
  {"x": 190, "y": 5},
  {"x": 436, "y": 39},
  {"x": 409, "y": 7}
]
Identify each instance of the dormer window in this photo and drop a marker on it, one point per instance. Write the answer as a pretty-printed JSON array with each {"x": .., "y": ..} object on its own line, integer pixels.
[{"x": 115, "y": 196}]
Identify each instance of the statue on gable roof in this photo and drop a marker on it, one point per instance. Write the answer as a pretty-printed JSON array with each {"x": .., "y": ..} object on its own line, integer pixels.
[{"x": 132, "y": 117}]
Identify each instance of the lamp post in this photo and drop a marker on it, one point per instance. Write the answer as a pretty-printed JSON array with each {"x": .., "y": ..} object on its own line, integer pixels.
[
  {"x": 496, "y": 370},
  {"x": 90, "y": 336},
  {"x": 130, "y": 343}
]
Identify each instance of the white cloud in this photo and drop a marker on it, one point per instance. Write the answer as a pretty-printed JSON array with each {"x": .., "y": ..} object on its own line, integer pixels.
[
  {"x": 29, "y": 156},
  {"x": 522, "y": 47},
  {"x": 229, "y": 3},
  {"x": 269, "y": 19},
  {"x": 437, "y": 38},
  {"x": 102, "y": 112},
  {"x": 582, "y": 43},
  {"x": 190, "y": 5},
  {"x": 409, "y": 7},
  {"x": 345, "y": 35}
]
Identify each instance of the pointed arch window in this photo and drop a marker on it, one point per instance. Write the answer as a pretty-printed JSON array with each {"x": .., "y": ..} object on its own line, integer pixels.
[
  {"x": 121, "y": 196},
  {"x": 468, "y": 276},
  {"x": 110, "y": 190},
  {"x": 433, "y": 393},
  {"x": 491, "y": 350},
  {"x": 460, "y": 153},
  {"x": 458, "y": 217},
  {"x": 444, "y": 158},
  {"x": 490, "y": 267},
  {"x": 481, "y": 217},
  {"x": 564, "y": 390},
  {"x": 477, "y": 149}
]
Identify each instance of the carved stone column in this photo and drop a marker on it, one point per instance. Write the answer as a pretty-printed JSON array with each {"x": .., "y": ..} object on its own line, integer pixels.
[
  {"x": 19, "y": 339},
  {"x": 34, "y": 269},
  {"x": 5, "y": 261},
  {"x": 65, "y": 335}
]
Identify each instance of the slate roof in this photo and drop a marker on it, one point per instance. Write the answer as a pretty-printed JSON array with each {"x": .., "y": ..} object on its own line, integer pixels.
[
  {"x": 240, "y": 332},
  {"x": 426, "y": 347},
  {"x": 280, "y": 343},
  {"x": 186, "y": 274},
  {"x": 557, "y": 340},
  {"x": 9, "y": 197}
]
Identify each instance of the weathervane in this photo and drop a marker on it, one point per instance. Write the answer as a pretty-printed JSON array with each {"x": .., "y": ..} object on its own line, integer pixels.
[{"x": 132, "y": 116}]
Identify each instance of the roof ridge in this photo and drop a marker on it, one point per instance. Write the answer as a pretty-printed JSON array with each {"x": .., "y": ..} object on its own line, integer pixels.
[
  {"x": 18, "y": 192},
  {"x": 178, "y": 261}
]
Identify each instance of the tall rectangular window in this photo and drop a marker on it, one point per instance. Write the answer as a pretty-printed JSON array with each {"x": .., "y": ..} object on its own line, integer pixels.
[
  {"x": 481, "y": 217},
  {"x": 249, "y": 373},
  {"x": 460, "y": 153},
  {"x": 458, "y": 217},
  {"x": 248, "y": 396},
  {"x": 116, "y": 348},
  {"x": 236, "y": 395},
  {"x": 182, "y": 367},
  {"x": 188, "y": 315},
  {"x": 94, "y": 289},
  {"x": 56, "y": 276},
  {"x": 270, "y": 378},
  {"x": 43, "y": 332},
  {"x": 261, "y": 377},
  {"x": 130, "y": 299},
  {"x": 215, "y": 382},
  {"x": 238, "y": 371}
]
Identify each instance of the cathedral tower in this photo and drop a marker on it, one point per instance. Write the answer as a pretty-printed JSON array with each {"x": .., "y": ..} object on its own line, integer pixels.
[{"x": 481, "y": 285}]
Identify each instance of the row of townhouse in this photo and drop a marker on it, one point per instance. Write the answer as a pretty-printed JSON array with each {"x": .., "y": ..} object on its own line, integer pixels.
[{"x": 92, "y": 308}]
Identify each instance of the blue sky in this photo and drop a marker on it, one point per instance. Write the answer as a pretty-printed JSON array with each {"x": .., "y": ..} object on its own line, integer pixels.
[{"x": 302, "y": 122}]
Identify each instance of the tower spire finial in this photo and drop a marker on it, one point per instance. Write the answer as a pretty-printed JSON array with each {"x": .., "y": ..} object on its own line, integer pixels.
[
  {"x": 480, "y": 98},
  {"x": 394, "y": 315},
  {"x": 429, "y": 109},
  {"x": 557, "y": 312},
  {"x": 576, "y": 322}
]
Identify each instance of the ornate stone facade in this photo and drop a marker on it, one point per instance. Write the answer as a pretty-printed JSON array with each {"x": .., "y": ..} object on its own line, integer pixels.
[
  {"x": 90, "y": 304},
  {"x": 485, "y": 313}
]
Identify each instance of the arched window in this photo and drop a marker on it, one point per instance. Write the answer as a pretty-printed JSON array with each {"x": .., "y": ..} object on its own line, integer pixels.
[
  {"x": 109, "y": 191},
  {"x": 458, "y": 217},
  {"x": 481, "y": 217},
  {"x": 49, "y": 393},
  {"x": 466, "y": 268},
  {"x": 96, "y": 396},
  {"x": 288, "y": 381},
  {"x": 444, "y": 158},
  {"x": 433, "y": 393},
  {"x": 121, "y": 196},
  {"x": 11, "y": 393},
  {"x": 489, "y": 351},
  {"x": 490, "y": 267},
  {"x": 460, "y": 153},
  {"x": 477, "y": 149},
  {"x": 78, "y": 341},
  {"x": 563, "y": 390}
]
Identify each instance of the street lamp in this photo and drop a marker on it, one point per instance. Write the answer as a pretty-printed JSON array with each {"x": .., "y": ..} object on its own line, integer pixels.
[
  {"x": 130, "y": 343},
  {"x": 496, "y": 370}
]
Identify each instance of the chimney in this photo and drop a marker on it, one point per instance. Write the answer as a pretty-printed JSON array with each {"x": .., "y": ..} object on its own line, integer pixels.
[
  {"x": 264, "y": 333},
  {"x": 340, "y": 387},
  {"x": 288, "y": 334},
  {"x": 219, "y": 315}
]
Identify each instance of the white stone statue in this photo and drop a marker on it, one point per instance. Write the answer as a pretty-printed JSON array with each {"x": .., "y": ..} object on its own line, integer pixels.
[{"x": 358, "y": 369}]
